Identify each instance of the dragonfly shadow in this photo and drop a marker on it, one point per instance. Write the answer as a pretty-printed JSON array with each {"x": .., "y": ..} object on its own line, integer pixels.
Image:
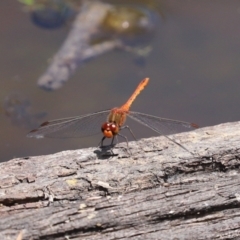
[{"x": 106, "y": 152}]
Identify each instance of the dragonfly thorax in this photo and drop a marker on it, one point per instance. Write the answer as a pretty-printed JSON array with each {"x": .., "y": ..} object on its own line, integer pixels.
[
  {"x": 117, "y": 116},
  {"x": 110, "y": 129}
]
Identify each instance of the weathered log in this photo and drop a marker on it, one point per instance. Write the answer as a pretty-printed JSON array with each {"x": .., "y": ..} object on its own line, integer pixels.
[{"x": 159, "y": 191}]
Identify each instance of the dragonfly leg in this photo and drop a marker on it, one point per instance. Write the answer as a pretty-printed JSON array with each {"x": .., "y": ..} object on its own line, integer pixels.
[
  {"x": 101, "y": 142},
  {"x": 124, "y": 138},
  {"x": 128, "y": 150},
  {"x": 130, "y": 130},
  {"x": 112, "y": 143}
]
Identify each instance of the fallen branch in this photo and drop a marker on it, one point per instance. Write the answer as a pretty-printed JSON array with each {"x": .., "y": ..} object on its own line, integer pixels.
[{"x": 77, "y": 47}]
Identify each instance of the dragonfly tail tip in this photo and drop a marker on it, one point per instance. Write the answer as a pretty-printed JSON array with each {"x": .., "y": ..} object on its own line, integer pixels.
[{"x": 194, "y": 125}]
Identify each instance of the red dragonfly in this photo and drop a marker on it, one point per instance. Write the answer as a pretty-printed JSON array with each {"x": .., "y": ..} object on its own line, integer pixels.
[{"x": 89, "y": 124}]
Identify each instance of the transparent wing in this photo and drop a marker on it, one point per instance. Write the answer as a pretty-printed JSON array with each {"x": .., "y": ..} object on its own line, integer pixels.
[
  {"x": 81, "y": 126},
  {"x": 163, "y": 126}
]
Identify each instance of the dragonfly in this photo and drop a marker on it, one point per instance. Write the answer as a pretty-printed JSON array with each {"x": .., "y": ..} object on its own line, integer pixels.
[{"x": 113, "y": 122}]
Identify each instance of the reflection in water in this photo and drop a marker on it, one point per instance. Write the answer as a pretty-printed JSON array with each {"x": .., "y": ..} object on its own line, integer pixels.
[
  {"x": 17, "y": 108},
  {"x": 48, "y": 13},
  {"x": 48, "y": 18},
  {"x": 129, "y": 20}
]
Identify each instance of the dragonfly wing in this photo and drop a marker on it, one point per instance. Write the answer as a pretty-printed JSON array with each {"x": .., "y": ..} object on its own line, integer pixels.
[
  {"x": 163, "y": 126},
  {"x": 81, "y": 126}
]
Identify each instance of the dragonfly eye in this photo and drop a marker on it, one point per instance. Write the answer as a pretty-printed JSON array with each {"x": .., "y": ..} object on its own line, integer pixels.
[{"x": 110, "y": 129}]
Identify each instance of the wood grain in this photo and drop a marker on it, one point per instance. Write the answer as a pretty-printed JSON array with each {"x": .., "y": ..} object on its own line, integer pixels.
[{"x": 153, "y": 190}]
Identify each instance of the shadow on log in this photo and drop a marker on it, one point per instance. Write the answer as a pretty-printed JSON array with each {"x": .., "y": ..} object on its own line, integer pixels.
[{"x": 159, "y": 191}]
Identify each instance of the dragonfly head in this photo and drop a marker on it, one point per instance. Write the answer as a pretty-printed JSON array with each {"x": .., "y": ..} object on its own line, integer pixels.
[{"x": 110, "y": 129}]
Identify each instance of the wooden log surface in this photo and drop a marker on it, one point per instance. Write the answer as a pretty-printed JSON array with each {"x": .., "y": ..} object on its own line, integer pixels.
[{"x": 159, "y": 191}]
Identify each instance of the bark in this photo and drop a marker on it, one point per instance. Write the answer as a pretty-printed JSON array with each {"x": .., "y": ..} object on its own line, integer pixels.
[{"x": 152, "y": 190}]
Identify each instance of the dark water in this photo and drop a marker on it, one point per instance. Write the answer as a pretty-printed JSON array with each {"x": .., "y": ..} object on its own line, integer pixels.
[{"x": 194, "y": 71}]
